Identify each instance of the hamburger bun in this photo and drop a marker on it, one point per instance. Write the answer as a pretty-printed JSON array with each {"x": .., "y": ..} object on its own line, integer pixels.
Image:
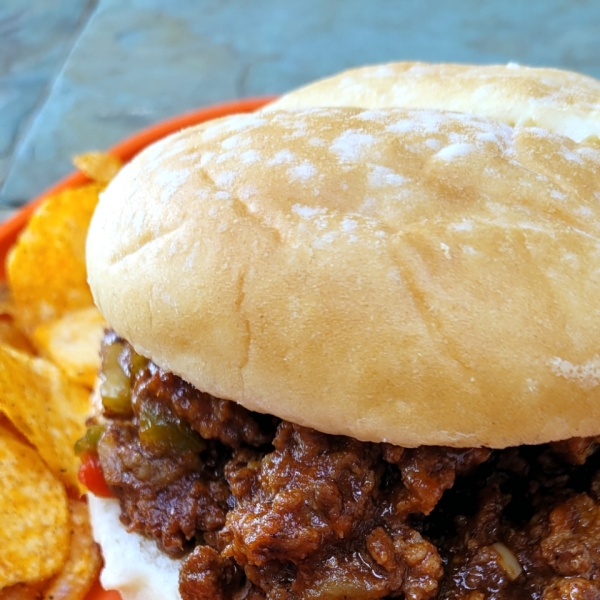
[
  {"x": 420, "y": 277},
  {"x": 559, "y": 101}
]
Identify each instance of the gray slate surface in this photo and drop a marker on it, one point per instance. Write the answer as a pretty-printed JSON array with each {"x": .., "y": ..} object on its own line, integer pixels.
[{"x": 81, "y": 74}]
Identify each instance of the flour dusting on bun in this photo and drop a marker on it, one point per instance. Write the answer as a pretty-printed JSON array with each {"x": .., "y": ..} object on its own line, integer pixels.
[{"x": 354, "y": 341}]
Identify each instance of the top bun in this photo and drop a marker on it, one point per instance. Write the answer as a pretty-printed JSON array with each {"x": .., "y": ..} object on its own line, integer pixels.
[
  {"x": 409, "y": 276},
  {"x": 560, "y": 101}
]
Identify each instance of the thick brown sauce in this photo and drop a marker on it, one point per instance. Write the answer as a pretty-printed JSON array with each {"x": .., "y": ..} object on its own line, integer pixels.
[{"x": 262, "y": 508}]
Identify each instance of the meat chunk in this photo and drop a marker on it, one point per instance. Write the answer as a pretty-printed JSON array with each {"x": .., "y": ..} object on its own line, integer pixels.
[
  {"x": 311, "y": 510},
  {"x": 269, "y": 510},
  {"x": 572, "y": 545},
  {"x": 212, "y": 418},
  {"x": 572, "y": 588},
  {"x": 205, "y": 575},
  {"x": 576, "y": 450},
  {"x": 314, "y": 489},
  {"x": 427, "y": 472},
  {"x": 173, "y": 498},
  {"x": 422, "y": 561},
  {"x": 553, "y": 555}
]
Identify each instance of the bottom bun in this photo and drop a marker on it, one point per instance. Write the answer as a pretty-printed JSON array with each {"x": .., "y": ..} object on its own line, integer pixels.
[{"x": 133, "y": 565}]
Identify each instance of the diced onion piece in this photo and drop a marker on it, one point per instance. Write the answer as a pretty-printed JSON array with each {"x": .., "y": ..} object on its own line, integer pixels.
[{"x": 508, "y": 561}]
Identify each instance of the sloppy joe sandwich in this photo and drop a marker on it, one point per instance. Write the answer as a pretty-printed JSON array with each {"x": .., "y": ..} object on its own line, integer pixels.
[{"x": 354, "y": 355}]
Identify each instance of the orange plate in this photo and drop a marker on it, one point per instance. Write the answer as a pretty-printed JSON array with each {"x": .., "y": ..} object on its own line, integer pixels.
[{"x": 126, "y": 150}]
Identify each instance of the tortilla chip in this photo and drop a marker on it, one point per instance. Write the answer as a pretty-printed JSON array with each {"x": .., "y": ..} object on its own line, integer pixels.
[
  {"x": 45, "y": 408},
  {"x": 23, "y": 591},
  {"x": 11, "y": 336},
  {"x": 98, "y": 166},
  {"x": 46, "y": 267},
  {"x": 7, "y": 305},
  {"x": 73, "y": 343},
  {"x": 34, "y": 537},
  {"x": 83, "y": 563}
]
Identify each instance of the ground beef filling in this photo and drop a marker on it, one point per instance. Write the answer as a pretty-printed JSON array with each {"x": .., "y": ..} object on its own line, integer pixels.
[{"x": 264, "y": 509}]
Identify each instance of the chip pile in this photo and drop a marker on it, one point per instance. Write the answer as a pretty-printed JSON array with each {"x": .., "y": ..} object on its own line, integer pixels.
[{"x": 50, "y": 335}]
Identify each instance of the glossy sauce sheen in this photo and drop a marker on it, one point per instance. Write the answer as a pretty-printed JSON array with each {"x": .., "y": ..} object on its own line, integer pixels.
[{"x": 263, "y": 508}]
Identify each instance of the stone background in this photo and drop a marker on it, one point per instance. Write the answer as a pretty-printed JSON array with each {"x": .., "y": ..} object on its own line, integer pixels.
[{"x": 81, "y": 74}]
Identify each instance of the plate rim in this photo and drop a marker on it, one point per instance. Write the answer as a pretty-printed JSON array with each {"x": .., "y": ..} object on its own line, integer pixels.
[{"x": 125, "y": 149}]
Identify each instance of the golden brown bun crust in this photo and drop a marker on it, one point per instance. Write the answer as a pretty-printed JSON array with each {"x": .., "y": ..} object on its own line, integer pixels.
[
  {"x": 412, "y": 276},
  {"x": 560, "y": 101}
]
